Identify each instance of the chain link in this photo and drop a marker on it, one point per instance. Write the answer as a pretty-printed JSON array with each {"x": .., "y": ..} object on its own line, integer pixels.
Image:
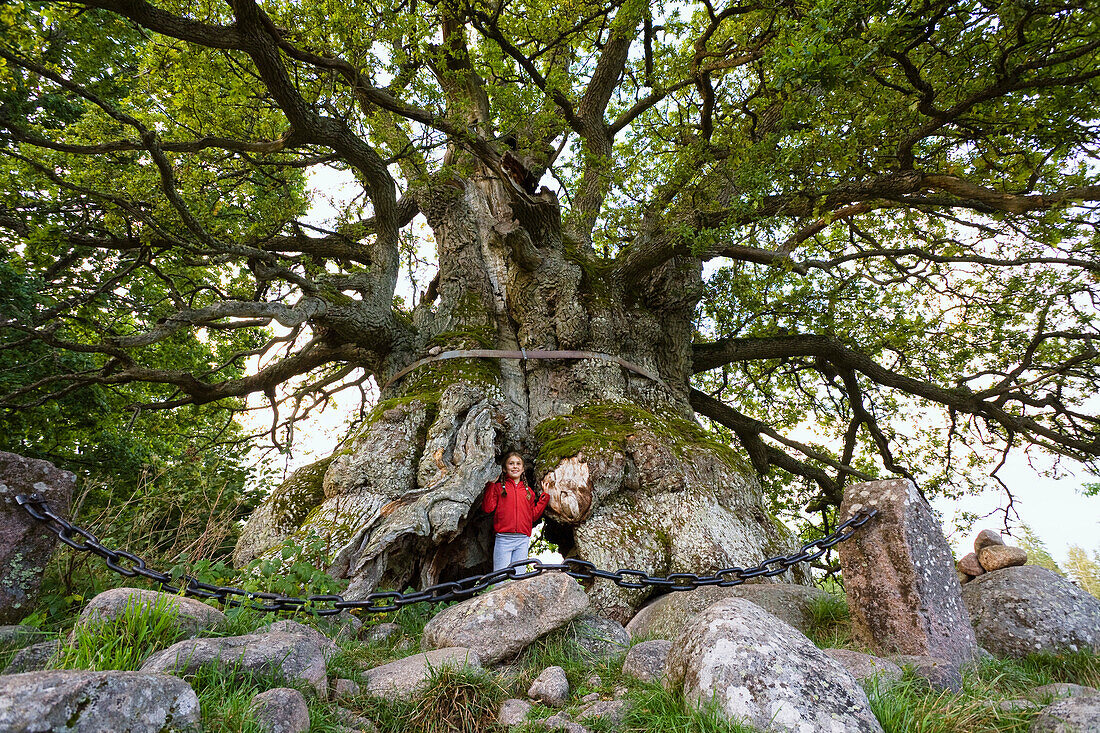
[{"x": 131, "y": 565}]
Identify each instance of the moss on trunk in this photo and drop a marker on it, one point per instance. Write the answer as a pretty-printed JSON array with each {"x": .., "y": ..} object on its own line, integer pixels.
[{"x": 604, "y": 427}]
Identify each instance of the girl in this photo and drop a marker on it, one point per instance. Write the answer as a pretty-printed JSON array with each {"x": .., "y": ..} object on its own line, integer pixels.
[{"x": 516, "y": 508}]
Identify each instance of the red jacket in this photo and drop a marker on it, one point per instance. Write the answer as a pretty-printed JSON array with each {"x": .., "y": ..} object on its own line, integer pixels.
[{"x": 517, "y": 510}]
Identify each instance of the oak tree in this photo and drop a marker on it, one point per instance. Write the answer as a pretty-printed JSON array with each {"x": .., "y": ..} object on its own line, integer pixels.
[{"x": 860, "y": 239}]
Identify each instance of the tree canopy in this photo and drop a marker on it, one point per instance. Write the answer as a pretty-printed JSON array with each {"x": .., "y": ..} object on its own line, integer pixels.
[{"x": 894, "y": 204}]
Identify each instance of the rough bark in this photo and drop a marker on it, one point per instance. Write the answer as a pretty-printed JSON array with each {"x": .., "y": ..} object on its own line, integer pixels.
[{"x": 634, "y": 480}]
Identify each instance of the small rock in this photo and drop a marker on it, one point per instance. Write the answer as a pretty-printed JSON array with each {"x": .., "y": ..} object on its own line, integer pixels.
[
  {"x": 551, "y": 687},
  {"x": 998, "y": 557},
  {"x": 561, "y": 722},
  {"x": 613, "y": 711},
  {"x": 598, "y": 637},
  {"x": 963, "y": 577},
  {"x": 354, "y": 723},
  {"x": 594, "y": 681},
  {"x": 590, "y": 697},
  {"x": 384, "y": 633},
  {"x": 513, "y": 712},
  {"x": 1062, "y": 689},
  {"x": 987, "y": 538},
  {"x": 78, "y": 700},
  {"x": 33, "y": 658},
  {"x": 620, "y": 692},
  {"x": 18, "y": 637},
  {"x": 346, "y": 689},
  {"x": 970, "y": 565},
  {"x": 347, "y": 625},
  {"x": 1069, "y": 715},
  {"x": 407, "y": 676},
  {"x": 281, "y": 710},
  {"x": 192, "y": 615},
  {"x": 865, "y": 667},
  {"x": 1010, "y": 706},
  {"x": 499, "y": 624},
  {"x": 939, "y": 673},
  {"x": 286, "y": 626},
  {"x": 646, "y": 660}
]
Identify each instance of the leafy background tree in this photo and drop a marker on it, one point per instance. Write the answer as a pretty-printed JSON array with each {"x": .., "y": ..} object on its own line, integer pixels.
[
  {"x": 1037, "y": 552},
  {"x": 1084, "y": 569}
]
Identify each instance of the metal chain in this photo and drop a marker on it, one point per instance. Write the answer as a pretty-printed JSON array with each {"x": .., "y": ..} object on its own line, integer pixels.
[{"x": 131, "y": 565}]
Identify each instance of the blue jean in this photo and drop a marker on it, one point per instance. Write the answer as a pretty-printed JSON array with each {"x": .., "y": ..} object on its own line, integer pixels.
[{"x": 509, "y": 548}]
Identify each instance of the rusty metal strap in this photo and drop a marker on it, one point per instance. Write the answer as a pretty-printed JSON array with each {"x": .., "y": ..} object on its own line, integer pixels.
[{"x": 525, "y": 354}]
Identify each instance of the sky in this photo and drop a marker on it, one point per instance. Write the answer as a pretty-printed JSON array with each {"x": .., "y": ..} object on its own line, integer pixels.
[{"x": 1055, "y": 509}]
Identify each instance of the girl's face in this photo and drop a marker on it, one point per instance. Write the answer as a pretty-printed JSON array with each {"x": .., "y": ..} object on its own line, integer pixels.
[{"x": 513, "y": 467}]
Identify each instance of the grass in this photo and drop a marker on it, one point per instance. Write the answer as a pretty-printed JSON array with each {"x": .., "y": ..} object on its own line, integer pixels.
[
  {"x": 1079, "y": 668},
  {"x": 29, "y": 635},
  {"x": 556, "y": 649},
  {"x": 829, "y": 622},
  {"x": 413, "y": 619},
  {"x": 454, "y": 700},
  {"x": 410, "y": 619},
  {"x": 243, "y": 620},
  {"x": 560, "y": 649},
  {"x": 467, "y": 700},
  {"x": 657, "y": 710},
  {"x": 225, "y": 696},
  {"x": 122, "y": 642},
  {"x": 913, "y": 706}
]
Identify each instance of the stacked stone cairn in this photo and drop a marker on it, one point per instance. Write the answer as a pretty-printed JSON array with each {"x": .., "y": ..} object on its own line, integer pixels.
[
  {"x": 743, "y": 650},
  {"x": 990, "y": 554}
]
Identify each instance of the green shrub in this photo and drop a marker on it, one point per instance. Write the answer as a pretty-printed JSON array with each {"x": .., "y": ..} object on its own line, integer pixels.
[{"x": 291, "y": 570}]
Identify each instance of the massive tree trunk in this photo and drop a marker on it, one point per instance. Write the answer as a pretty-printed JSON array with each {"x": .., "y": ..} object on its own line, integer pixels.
[{"x": 634, "y": 480}]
